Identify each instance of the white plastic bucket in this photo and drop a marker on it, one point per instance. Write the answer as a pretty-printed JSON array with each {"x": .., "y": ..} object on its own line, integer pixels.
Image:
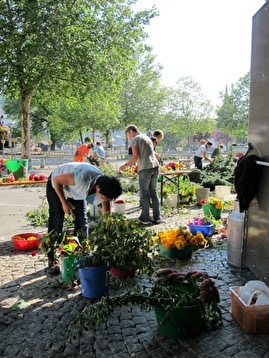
[
  {"x": 119, "y": 208},
  {"x": 202, "y": 193},
  {"x": 222, "y": 190},
  {"x": 171, "y": 201}
]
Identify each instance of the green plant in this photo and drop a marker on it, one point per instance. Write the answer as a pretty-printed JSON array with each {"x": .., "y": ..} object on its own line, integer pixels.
[
  {"x": 170, "y": 288},
  {"x": 119, "y": 242},
  {"x": 39, "y": 216}
]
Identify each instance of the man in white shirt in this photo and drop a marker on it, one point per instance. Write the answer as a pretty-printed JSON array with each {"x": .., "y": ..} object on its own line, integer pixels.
[{"x": 201, "y": 154}]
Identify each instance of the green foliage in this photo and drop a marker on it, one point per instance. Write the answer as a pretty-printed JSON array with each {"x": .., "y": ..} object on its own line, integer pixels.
[
  {"x": 219, "y": 172},
  {"x": 170, "y": 289},
  {"x": 121, "y": 243},
  {"x": 233, "y": 113}
]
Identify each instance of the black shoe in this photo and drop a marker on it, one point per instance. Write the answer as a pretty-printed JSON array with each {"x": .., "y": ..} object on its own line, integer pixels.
[
  {"x": 158, "y": 222},
  {"x": 145, "y": 223}
]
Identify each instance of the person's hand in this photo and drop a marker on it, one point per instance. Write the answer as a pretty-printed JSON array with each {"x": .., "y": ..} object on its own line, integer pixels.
[
  {"x": 68, "y": 208},
  {"x": 122, "y": 168}
]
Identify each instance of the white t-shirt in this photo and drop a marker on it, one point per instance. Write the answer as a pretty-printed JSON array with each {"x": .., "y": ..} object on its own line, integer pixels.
[
  {"x": 85, "y": 178},
  {"x": 200, "y": 150}
]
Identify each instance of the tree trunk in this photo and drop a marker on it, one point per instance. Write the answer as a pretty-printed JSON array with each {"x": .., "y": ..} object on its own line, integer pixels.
[{"x": 25, "y": 126}]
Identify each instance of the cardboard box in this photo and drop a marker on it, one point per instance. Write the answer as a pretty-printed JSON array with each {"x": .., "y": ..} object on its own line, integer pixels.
[{"x": 252, "y": 318}]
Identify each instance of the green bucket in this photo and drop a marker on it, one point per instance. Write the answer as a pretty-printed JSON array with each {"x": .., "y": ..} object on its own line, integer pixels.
[
  {"x": 18, "y": 167},
  {"x": 68, "y": 268}
]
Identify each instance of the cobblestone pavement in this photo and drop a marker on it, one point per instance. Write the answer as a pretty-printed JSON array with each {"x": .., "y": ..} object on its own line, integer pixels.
[{"x": 37, "y": 308}]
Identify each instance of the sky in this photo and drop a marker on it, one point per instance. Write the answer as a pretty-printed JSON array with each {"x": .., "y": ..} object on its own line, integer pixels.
[{"x": 209, "y": 40}]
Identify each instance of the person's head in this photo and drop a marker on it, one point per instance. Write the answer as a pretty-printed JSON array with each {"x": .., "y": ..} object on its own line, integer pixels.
[
  {"x": 208, "y": 144},
  {"x": 98, "y": 143},
  {"x": 108, "y": 187},
  {"x": 221, "y": 146},
  {"x": 90, "y": 145},
  {"x": 87, "y": 140},
  {"x": 158, "y": 134},
  {"x": 131, "y": 131}
]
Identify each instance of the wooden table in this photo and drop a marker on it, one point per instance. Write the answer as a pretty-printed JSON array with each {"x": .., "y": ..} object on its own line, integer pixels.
[
  {"x": 24, "y": 182},
  {"x": 173, "y": 177}
]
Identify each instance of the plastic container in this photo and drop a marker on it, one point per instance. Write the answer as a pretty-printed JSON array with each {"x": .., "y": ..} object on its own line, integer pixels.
[
  {"x": 19, "y": 168},
  {"x": 94, "y": 281},
  {"x": 206, "y": 230},
  {"x": 222, "y": 190},
  {"x": 25, "y": 245},
  {"x": 174, "y": 253},
  {"x": 119, "y": 208},
  {"x": 202, "y": 193},
  {"x": 235, "y": 239},
  {"x": 252, "y": 318}
]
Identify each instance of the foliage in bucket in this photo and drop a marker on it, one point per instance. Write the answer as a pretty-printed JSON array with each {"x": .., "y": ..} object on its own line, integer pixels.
[
  {"x": 170, "y": 288},
  {"x": 116, "y": 241}
]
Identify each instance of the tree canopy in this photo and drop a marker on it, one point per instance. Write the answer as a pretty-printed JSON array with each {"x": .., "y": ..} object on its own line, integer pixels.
[{"x": 70, "y": 47}]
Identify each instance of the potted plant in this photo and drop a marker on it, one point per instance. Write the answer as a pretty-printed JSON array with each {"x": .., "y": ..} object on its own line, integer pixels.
[
  {"x": 178, "y": 243},
  {"x": 184, "y": 303},
  {"x": 212, "y": 206},
  {"x": 121, "y": 244}
]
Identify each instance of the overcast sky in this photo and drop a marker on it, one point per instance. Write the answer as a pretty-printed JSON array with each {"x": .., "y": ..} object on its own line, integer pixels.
[{"x": 209, "y": 40}]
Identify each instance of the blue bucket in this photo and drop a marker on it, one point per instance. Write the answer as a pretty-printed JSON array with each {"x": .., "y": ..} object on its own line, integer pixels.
[{"x": 94, "y": 281}]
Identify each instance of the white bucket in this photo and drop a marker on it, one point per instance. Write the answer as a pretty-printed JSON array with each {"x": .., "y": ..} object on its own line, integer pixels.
[
  {"x": 222, "y": 190},
  {"x": 119, "y": 208},
  {"x": 202, "y": 193},
  {"x": 171, "y": 201},
  {"x": 236, "y": 206}
]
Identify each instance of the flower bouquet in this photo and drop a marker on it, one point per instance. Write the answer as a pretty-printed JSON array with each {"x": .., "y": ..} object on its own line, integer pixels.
[
  {"x": 212, "y": 206},
  {"x": 170, "y": 166},
  {"x": 178, "y": 243},
  {"x": 204, "y": 226}
]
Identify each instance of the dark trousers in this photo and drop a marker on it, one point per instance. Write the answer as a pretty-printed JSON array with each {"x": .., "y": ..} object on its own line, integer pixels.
[{"x": 198, "y": 162}]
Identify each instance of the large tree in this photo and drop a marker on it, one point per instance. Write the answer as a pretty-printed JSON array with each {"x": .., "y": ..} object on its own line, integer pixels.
[
  {"x": 71, "y": 46},
  {"x": 189, "y": 111},
  {"x": 233, "y": 114},
  {"x": 142, "y": 96}
]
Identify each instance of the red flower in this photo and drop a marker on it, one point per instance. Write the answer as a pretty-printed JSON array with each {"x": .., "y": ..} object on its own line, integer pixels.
[
  {"x": 34, "y": 253},
  {"x": 203, "y": 201}
]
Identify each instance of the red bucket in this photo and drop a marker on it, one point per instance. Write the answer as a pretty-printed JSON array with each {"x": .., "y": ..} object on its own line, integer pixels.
[{"x": 24, "y": 244}]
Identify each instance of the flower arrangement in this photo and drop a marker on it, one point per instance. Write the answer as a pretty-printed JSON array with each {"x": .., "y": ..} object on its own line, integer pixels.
[
  {"x": 179, "y": 238},
  {"x": 70, "y": 245},
  {"x": 217, "y": 203},
  {"x": 2, "y": 165},
  {"x": 170, "y": 166},
  {"x": 170, "y": 289},
  {"x": 132, "y": 170}
]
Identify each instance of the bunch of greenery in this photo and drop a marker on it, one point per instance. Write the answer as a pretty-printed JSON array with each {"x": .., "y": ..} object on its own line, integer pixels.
[
  {"x": 119, "y": 242},
  {"x": 170, "y": 288}
]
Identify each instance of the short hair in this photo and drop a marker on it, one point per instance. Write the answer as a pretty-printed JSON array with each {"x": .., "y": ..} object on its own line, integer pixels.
[
  {"x": 209, "y": 143},
  {"x": 221, "y": 146},
  {"x": 110, "y": 186},
  {"x": 131, "y": 127},
  {"x": 98, "y": 143},
  {"x": 158, "y": 133}
]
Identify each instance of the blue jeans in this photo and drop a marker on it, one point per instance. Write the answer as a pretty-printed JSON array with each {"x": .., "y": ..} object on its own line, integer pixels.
[
  {"x": 148, "y": 179},
  {"x": 56, "y": 213}
]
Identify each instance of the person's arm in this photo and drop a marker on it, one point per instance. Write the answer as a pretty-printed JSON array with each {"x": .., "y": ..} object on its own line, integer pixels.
[
  {"x": 106, "y": 207},
  {"x": 205, "y": 156},
  {"x": 59, "y": 181},
  {"x": 132, "y": 160}
]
